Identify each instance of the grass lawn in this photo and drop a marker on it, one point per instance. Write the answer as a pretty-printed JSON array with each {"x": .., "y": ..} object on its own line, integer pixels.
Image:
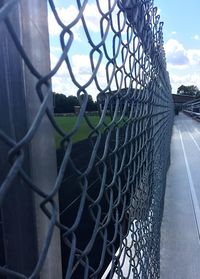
[{"x": 67, "y": 123}]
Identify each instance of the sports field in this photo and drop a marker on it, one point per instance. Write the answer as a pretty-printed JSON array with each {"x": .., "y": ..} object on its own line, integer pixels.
[{"x": 67, "y": 123}]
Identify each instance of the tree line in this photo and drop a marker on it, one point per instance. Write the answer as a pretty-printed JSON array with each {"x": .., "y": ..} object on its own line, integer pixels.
[
  {"x": 190, "y": 90},
  {"x": 66, "y": 104}
]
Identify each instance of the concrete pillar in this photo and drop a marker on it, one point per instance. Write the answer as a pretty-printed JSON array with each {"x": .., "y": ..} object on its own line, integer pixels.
[{"x": 25, "y": 226}]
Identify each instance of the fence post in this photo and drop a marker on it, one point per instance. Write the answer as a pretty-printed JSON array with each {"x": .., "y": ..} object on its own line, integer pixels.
[{"x": 24, "y": 224}]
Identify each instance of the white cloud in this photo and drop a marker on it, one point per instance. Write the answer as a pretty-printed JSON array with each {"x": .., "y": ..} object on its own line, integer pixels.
[
  {"x": 178, "y": 57},
  {"x": 173, "y": 33},
  {"x": 82, "y": 71},
  {"x": 80, "y": 63},
  {"x": 183, "y": 64},
  {"x": 91, "y": 14},
  {"x": 196, "y": 37},
  {"x": 194, "y": 56},
  {"x": 92, "y": 17},
  {"x": 159, "y": 11},
  {"x": 67, "y": 15},
  {"x": 176, "y": 54},
  {"x": 185, "y": 79}
]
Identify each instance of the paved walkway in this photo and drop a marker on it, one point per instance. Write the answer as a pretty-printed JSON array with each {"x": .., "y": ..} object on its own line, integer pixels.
[{"x": 180, "y": 234}]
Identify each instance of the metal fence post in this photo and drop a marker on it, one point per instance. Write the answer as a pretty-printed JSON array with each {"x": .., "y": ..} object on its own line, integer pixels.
[{"x": 19, "y": 105}]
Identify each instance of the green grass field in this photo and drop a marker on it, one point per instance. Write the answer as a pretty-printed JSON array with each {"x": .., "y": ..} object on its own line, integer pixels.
[{"x": 67, "y": 123}]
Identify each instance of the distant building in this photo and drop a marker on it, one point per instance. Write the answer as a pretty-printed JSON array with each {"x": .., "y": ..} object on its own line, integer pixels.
[{"x": 179, "y": 100}]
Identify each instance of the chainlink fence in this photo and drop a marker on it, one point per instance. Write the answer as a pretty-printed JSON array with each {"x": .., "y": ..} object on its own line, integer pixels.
[{"x": 99, "y": 214}]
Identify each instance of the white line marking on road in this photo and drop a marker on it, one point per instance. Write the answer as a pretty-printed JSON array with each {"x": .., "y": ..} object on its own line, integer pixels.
[
  {"x": 192, "y": 137},
  {"x": 197, "y": 131},
  {"x": 192, "y": 188},
  {"x": 194, "y": 141}
]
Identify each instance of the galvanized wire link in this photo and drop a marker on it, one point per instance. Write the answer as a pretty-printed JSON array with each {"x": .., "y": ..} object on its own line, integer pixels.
[{"x": 111, "y": 186}]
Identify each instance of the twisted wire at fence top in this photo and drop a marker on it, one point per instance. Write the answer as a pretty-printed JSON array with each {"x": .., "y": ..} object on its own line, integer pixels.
[{"x": 122, "y": 183}]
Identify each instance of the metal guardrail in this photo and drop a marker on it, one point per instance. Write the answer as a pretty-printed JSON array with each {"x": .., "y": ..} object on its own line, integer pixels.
[
  {"x": 192, "y": 108},
  {"x": 100, "y": 215}
]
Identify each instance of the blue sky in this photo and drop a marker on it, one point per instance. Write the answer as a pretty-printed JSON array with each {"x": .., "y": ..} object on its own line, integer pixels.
[
  {"x": 181, "y": 36},
  {"x": 182, "y": 40},
  {"x": 182, "y": 17}
]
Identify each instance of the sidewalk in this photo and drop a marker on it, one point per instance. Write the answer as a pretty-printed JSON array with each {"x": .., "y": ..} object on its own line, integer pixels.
[{"x": 180, "y": 242}]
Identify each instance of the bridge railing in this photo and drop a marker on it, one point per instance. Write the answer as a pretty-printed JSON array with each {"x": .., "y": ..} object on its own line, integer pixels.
[
  {"x": 89, "y": 208},
  {"x": 192, "y": 108}
]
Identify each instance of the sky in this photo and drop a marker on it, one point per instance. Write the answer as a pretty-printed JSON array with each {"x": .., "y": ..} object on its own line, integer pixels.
[
  {"x": 182, "y": 40},
  {"x": 181, "y": 37}
]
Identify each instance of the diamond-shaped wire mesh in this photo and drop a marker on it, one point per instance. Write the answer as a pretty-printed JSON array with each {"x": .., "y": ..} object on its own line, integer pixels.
[{"x": 110, "y": 185}]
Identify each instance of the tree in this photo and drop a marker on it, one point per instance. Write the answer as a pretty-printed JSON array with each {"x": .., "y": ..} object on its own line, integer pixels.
[
  {"x": 91, "y": 105},
  {"x": 63, "y": 104},
  {"x": 60, "y": 103},
  {"x": 190, "y": 90},
  {"x": 72, "y": 101}
]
